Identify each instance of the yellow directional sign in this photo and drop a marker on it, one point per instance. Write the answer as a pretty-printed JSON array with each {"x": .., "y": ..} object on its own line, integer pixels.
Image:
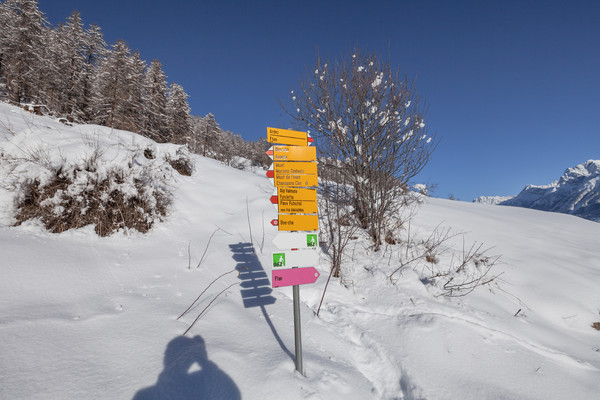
[
  {"x": 294, "y": 153},
  {"x": 296, "y": 180},
  {"x": 297, "y": 207},
  {"x": 296, "y": 194},
  {"x": 298, "y": 222},
  {"x": 298, "y": 167},
  {"x": 284, "y": 136}
]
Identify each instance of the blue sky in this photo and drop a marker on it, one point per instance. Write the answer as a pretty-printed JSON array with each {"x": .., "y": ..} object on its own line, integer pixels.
[{"x": 513, "y": 87}]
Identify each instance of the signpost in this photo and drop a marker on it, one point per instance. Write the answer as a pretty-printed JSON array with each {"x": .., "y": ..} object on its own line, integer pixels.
[
  {"x": 292, "y": 153},
  {"x": 297, "y": 207},
  {"x": 298, "y": 168},
  {"x": 295, "y": 181},
  {"x": 285, "y": 136},
  {"x": 295, "y": 258},
  {"x": 294, "y": 194},
  {"x": 293, "y": 173},
  {"x": 296, "y": 240},
  {"x": 295, "y": 200},
  {"x": 294, "y": 277},
  {"x": 296, "y": 222}
]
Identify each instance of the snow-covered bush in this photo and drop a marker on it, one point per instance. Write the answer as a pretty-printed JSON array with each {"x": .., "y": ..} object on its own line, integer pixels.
[
  {"x": 76, "y": 195},
  {"x": 71, "y": 178},
  {"x": 182, "y": 161}
]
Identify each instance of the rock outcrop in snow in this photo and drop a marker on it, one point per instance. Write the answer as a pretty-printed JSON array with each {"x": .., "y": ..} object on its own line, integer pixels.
[{"x": 577, "y": 192}]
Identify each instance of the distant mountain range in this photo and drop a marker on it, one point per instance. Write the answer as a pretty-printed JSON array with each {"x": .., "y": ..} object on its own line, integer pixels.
[{"x": 577, "y": 192}]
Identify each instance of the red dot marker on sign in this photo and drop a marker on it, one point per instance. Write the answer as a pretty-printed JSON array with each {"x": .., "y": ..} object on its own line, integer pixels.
[{"x": 275, "y": 222}]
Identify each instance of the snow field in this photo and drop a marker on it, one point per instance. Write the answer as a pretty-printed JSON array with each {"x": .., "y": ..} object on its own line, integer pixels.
[{"x": 89, "y": 317}]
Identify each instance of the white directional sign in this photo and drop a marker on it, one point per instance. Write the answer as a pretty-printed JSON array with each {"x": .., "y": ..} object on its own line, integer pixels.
[
  {"x": 297, "y": 258},
  {"x": 296, "y": 240}
]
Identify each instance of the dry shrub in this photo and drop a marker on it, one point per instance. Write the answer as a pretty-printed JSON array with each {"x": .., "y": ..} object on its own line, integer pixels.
[
  {"x": 182, "y": 163},
  {"x": 389, "y": 238},
  {"x": 452, "y": 275},
  {"x": 112, "y": 200},
  {"x": 596, "y": 326}
]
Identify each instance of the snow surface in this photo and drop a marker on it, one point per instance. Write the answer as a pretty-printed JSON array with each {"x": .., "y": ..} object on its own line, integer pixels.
[{"x": 84, "y": 317}]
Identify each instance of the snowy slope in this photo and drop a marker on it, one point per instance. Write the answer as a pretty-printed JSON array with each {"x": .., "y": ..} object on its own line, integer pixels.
[
  {"x": 89, "y": 317},
  {"x": 492, "y": 200},
  {"x": 577, "y": 192}
]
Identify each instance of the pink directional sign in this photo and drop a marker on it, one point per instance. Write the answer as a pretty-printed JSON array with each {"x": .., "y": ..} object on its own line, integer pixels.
[{"x": 294, "y": 276}]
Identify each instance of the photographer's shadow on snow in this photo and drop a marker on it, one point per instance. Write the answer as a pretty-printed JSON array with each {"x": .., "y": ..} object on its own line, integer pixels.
[{"x": 189, "y": 374}]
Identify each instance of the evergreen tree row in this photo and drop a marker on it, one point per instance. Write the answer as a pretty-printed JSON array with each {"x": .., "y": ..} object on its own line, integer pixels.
[{"x": 73, "y": 72}]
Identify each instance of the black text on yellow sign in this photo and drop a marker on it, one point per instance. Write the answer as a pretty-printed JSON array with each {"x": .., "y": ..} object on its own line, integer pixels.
[
  {"x": 285, "y": 136},
  {"x": 297, "y": 207},
  {"x": 298, "y": 167},
  {"x": 290, "y": 194},
  {"x": 298, "y": 222},
  {"x": 293, "y": 153},
  {"x": 296, "y": 180}
]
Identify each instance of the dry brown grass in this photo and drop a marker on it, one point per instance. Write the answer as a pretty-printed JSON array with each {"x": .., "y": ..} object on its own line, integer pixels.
[
  {"x": 182, "y": 166},
  {"x": 101, "y": 204},
  {"x": 596, "y": 326}
]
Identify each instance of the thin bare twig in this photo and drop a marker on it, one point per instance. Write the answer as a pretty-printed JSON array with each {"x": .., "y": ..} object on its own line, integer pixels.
[
  {"x": 205, "y": 308},
  {"x": 206, "y": 248},
  {"x": 262, "y": 243},
  {"x": 249, "y": 225},
  {"x": 204, "y": 291},
  {"x": 189, "y": 256}
]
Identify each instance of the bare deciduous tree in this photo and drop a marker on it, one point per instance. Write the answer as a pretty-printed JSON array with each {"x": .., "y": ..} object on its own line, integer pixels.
[{"x": 372, "y": 123}]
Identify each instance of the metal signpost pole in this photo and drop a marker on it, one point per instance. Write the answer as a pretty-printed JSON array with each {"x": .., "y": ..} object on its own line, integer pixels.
[{"x": 297, "y": 329}]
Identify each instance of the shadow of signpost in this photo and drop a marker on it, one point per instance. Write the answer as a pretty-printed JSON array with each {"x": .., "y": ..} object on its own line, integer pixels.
[
  {"x": 256, "y": 287},
  {"x": 189, "y": 374}
]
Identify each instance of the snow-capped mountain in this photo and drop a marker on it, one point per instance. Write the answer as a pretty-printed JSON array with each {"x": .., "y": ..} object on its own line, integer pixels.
[{"x": 577, "y": 192}]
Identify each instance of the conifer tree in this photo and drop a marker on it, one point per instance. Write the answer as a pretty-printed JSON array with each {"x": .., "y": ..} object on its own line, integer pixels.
[
  {"x": 208, "y": 133},
  {"x": 95, "y": 51},
  {"x": 8, "y": 18},
  {"x": 115, "y": 88},
  {"x": 52, "y": 89},
  {"x": 22, "y": 49},
  {"x": 155, "y": 103},
  {"x": 134, "y": 105},
  {"x": 74, "y": 59},
  {"x": 178, "y": 115}
]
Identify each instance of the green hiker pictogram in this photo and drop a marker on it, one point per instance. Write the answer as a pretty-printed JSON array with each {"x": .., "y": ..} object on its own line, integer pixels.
[
  {"x": 311, "y": 240},
  {"x": 278, "y": 259}
]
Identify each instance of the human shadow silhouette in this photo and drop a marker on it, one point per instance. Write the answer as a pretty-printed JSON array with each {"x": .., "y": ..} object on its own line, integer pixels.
[
  {"x": 189, "y": 374},
  {"x": 256, "y": 287}
]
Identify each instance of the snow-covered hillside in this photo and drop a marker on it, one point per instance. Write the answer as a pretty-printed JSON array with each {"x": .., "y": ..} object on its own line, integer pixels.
[
  {"x": 577, "y": 192},
  {"x": 84, "y": 317},
  {"x": 492, "y": 200}
]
